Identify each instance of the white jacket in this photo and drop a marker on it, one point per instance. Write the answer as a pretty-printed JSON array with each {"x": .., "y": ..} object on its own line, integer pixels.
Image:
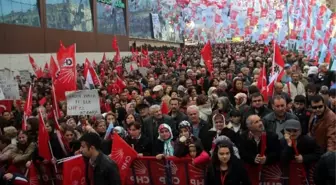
[{"x": 294, "y": 90}]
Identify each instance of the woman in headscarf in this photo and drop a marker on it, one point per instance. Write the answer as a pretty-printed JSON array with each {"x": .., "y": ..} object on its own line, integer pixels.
[{"x": 164, "y": 145}]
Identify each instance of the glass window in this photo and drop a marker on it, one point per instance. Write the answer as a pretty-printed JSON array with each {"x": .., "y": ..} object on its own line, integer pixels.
[
  {"x": 111, "y": 19},
  {"x": 140, "y": 19},
  {"x": 21, "y": 12},
  {"x": 69, "y": 15}
]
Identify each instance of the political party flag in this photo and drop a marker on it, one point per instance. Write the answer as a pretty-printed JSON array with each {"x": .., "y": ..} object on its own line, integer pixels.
[{"x": 74, "y": 171}]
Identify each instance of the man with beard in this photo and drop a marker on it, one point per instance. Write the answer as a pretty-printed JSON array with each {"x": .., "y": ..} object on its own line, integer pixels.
[
  {"x": 273, "y": 121},
  {"x": 250, "y": 144},
  {"x": 257, "y": 107},
  {"x": 175, "y": 112},
  {"x": 322, "y": 124}
]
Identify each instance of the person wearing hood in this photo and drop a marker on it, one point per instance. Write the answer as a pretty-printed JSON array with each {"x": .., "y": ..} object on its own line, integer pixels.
[
  {"x": 251, "y": 143},
  {"x": 298, "y": 147},
  {"x": 241, "y": 100},
  {"x": 204, "y": 106},
  {"x": 219, "y": 128},
  {"x": 164, "y": 145}
]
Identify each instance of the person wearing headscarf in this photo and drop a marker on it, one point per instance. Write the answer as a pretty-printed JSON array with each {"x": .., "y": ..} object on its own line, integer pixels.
[
  {"x": 185, "y": 138},
  {"x": 164, "y": 145},
  {"x": 241, "y": 100}
]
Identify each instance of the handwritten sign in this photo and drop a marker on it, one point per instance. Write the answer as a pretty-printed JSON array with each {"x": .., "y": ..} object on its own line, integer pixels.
[
  {"x": 2, "y": 95},
  {"x": 85, "y": 102},
  {"x": 10, "y": 89}
]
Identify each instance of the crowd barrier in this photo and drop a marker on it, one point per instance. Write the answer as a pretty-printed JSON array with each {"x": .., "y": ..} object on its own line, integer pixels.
[{"x": 176, "y": 171}]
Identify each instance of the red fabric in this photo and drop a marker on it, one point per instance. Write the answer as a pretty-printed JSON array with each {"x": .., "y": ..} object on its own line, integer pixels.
[
  {"x": 89, "y": 69},
  {"x": 42, "y": 101},
  {"x": 43, "y": 140},
  {"x": 33, "y": 175},
  {"x": 38, "y": 71},
  {"x": 263, "y": 143},
  {"x": 202, "y": 159},
  {"x": 29, "y": 104},
  {"x": 113, "y": 89},
  {"x": 170, "y": 53},
  {"x": 164, "y": 108},
  {"x": 74, "y": 171},
  {"x": 262, "y": 83},
  {"x": 46, "y": 70},
  {"x": 123, "y": 155},
  {"x": 67, "y": 78},
  {"x": 207, "y": 56},
  {"x": 120, "y": 83}
]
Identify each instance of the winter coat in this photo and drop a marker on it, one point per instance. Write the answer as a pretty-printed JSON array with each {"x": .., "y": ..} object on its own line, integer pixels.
[
  {"x": 205, "y": 112},
  {"x": 180, "y": 116},
  {"x": 306, "y": 146},
  {"x": 249, "y": 148},
  {"x": 141, "y": 145},
  {"x": 294, "y": 90},
  {"x": 323, "y": 130},
  {"x": 236, "y": 174},
  {"x": 325, "y": 169},
  {"x": 6, "y": 153},
  {"x": 270, "y": 122}
]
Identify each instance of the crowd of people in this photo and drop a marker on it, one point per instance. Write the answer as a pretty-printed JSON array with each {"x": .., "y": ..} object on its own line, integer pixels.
[{"x": 219, "y": 120}]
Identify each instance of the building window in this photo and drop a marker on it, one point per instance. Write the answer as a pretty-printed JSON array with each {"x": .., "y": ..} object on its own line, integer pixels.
[
  {"x": 139, "y": 18},
  {"x": 20, "y": 12},
  {"x": 69, "y": 15},
  {"x": 111, "y": 19}
]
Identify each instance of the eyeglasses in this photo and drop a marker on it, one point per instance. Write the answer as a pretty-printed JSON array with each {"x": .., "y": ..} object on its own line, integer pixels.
[{"x": 317, "y": 107}]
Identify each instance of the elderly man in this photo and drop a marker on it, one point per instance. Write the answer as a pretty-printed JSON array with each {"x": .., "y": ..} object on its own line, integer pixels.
[
  {"x": 199, "y": 127},
  {"x": 322, "y": 124},
  {"x": 251, "y": 140},
  {"x": 151, "y": 124}
]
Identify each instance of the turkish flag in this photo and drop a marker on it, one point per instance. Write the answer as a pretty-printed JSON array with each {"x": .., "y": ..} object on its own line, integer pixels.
[
  {"x": 262, "y": 83},
  {"x": 43, "y": 139},
  {"x": 123, "y": 155},
  {"x": 67, "y": 78},
  {"x": 74, "y": 171},
  {"x": 37, "y": 70},
  {"x": 88, "y": 68},
  {"x": 6, "y": 105}
]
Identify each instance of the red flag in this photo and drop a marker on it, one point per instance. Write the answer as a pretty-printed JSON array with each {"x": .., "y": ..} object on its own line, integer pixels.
[
  {"x": 115, "y": 44},
  {"x": 74, "y": 171},
  {"x": 207, "y": 56},
  {"x": 43, "y": 140},
  {"x": 46, "y": 70},
  {"x": 263, "y": 142},
  {"x": 33, "y": 175},
  {"x": 37, "y": 70},
  {"x": 6, "y": 105},
  {"x": 89, "y": 68},
  {"x": 104, "y": 60},
  {"x": 54, "y": 69},
  {"x": 55, "y": 103},
  {"x": 262, "y": 83},
  {"x": 170, "y": 53},
  {"x": 278, "y": 14},
  {"x": 249, "y": 12},
  {"x": 29, "y": 104},
  {"x": 123, "y": 155},
  {"x": 120, "y": 83},
  {"x": 42, "y": 101},
  {"x": 278, "y": 63},
  {"x": 67, "y": 78},
  {"x": 164, "y": 108},
  {"x": 94, "y": 64}
]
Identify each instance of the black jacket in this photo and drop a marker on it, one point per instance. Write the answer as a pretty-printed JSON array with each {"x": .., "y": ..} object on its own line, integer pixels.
[
  {"x": 179, "y": 118},
  {"x": 212, "y": 134},
  {"x": 248, "y": 148},
  {"x": 306, "y": 146},
  {"x": 303, "y": 116},
  {"x": 270, "y": 122},
  {"x": 236, "y": 174},
  {"x": 141, "y": 145},
  {"x": 151, "y": 125},
  {"x": 105, "y": 172},
  {"x": 325, "y": 169},
  {"x": 203, "y": 133}
]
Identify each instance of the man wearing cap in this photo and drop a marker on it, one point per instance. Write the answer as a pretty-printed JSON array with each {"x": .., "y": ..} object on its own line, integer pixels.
[
  {"x": 158, "y": 92},
  {"x": 287, "y": 76},
  {"x": 298, "y": 147},
  {"x": 322, "y": 124}
]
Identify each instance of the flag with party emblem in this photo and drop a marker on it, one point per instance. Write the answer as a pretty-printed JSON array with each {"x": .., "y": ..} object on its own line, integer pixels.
[
  {"x": 123, "y": 155},
  {"x": 66, "y": 80},
  {"x": 74, "y": 171}
]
